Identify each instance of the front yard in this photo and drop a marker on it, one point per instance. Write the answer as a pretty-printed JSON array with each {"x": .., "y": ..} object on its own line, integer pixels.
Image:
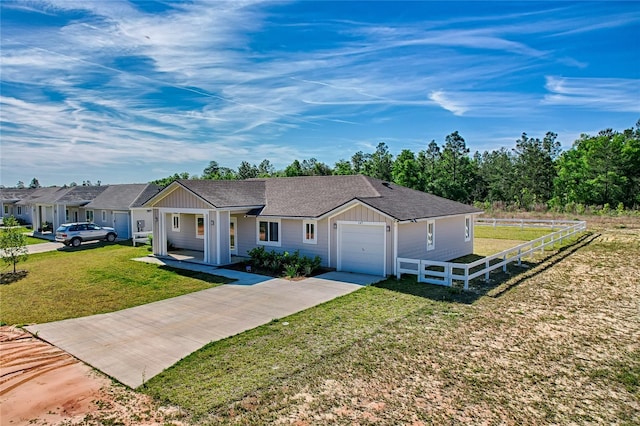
[
  {"x": 558, "y": 343},
  {"x": 96, "y": 279}
]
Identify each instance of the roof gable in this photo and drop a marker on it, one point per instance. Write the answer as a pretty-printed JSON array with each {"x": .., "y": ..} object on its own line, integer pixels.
[{"x": 120, "y": 197}]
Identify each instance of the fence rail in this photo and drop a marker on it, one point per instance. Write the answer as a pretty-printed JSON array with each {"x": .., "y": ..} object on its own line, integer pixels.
[
  {"x": 141, "y": 237},
  {"x": 444, "y": 273}
]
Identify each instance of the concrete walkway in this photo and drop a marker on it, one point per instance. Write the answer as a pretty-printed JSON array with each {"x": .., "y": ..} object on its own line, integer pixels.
[{"x": 135, "y": 344}]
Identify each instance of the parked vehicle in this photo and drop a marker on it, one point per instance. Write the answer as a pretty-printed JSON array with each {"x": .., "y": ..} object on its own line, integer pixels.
[{"x": 73, "y": 234}]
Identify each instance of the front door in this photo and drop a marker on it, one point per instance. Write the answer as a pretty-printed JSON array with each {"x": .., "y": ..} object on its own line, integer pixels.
[{"x": 233, "y": 227}]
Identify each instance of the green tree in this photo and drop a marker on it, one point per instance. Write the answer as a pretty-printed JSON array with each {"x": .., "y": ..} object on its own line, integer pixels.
[
  {"x": 266, "y": 169},
  {"x": 343, "y": 167},
  {"x": 406, "y": 170},
  {"x": 13, "y": 243},
  {"x": 357, "y": 161},
  {"x": 535, "y": 168},
  {"x": 34, "y": 183},
  {"x": 293, "y": 169},
  {"x": 379, "y": 164},
  {"x": 212, "y": 171},
  {"x": 247, "y": 171},
  {"x": 455, "y": 177},
  {"x": 20, "y": 185},
  {"x": 428, "y": 163}
]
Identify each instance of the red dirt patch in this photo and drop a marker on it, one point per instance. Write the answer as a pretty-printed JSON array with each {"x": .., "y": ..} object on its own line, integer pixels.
[{"x": 41, "y": 384}]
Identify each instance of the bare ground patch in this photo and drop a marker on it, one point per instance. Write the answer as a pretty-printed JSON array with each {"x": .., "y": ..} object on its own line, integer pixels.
[
  {"x": 562, "y": 347},
  {"x": 43, "y": 385}
]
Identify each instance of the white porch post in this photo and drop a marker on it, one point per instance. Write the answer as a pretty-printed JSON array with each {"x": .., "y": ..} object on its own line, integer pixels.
[
  {"x": 162, "y": 232},
  {"x": 218, "y": 259},
  {"x": 207, "y": 233}
]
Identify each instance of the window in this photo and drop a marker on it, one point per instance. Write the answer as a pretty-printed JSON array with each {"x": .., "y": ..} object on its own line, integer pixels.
[
  {"x": 467, "y": 228},
  {"x": 175, "y": 222},
  {"x": 66, "y": 215},
  {"x": 431, "y": 240},
  {"x": 269, "y": 233},
  {"x": 19, "y": 210},
  {"x": 6, "y": 209},
  {"x": 309, "y": 231},
  {"x": 89, "y": 215},
  {"x": 199, "y": 226},
  {"x": 104, "y": 215}
]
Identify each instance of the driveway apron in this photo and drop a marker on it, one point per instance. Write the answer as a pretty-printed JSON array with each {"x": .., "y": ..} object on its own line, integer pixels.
[{"x": 135, "y": 344}]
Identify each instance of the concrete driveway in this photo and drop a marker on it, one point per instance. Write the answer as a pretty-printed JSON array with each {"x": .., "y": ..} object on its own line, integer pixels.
[{"x": 135, "y": 344}]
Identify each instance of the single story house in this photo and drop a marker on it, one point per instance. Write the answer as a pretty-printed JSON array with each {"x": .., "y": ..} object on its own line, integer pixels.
[
  {"x": 120, "y": 206},
  {"x": 9, "y": 197},
  {"x": 354, "y": 223}
]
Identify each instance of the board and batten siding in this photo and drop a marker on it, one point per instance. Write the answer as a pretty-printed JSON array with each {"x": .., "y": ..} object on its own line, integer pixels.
[
  {"x": 181, "y": 199},
  {"x": 448, "y": 238},
  {"x": 361, "y": 213},
  {"x": 186, "y": 237}
]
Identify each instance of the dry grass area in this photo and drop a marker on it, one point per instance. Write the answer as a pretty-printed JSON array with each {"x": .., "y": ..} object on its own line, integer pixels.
[{"x": 560, "y": 345}]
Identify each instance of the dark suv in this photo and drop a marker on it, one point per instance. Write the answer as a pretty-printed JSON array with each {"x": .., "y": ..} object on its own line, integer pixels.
[{"x": 73, "y": 234}]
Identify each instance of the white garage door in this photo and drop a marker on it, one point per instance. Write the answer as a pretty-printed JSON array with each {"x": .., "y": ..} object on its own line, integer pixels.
[
  {"x": 361, "y": 249},
  {"x": 121, "y": 224}
]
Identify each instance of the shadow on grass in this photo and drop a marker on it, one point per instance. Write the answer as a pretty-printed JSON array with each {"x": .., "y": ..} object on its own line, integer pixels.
[
  {"x": 499, "y": 282},
  {"x": 10, "y": 277},
  {"x": 198, "y": 275},
  {"x": 92, "y": 245}
]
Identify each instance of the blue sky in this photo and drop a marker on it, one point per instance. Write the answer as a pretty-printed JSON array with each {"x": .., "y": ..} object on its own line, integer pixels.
[{"x": 123, "y": 91}]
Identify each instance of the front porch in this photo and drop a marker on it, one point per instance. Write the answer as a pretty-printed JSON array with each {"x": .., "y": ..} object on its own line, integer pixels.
[{"x": 196, "y": 256}]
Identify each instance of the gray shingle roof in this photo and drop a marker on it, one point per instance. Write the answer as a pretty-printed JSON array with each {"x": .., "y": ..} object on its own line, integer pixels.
[
  {"x": 314, "y": 196},
  {"x": 12, "y": 195},
  {"x": 49, "y": 195},
  {"x": 228, "y": 193},
  {"x": 81, "y": 195},
  {"x": 120, "y": 197}
]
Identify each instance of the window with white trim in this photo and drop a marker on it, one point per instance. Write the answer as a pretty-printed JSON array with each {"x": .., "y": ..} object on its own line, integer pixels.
[
  {"x": 89, "y": 215},
  {"x": 309, "y": 228},
  {"x": 269, "y": 232},
  {"x": 175, "y": 222},
  {"x": 431, "y": 235},
  {"x": 104, "y": 215},
  {"x": 19, "y": 210},
  {"x": 199, "y": 226},
  {"x": 467, "y": 228},
  {"x": 6, "y": 209},
  {"x": 66, "y": 215}
]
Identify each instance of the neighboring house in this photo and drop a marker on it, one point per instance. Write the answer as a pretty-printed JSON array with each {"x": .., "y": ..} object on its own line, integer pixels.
[
  {"x": 120, "y": 206},
  {"x": 354, "y": 223},
  {"x": 43, "y": 207},
  {"x": 9, "y": 198}
]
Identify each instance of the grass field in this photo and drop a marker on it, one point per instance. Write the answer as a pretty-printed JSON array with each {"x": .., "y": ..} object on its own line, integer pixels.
[
  {"x": 94, "y": 279},
  {"x": 557, "y": 344}
]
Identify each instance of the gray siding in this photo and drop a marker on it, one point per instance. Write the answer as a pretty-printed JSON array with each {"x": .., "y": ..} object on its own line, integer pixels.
[
  {"x": 186, "y": 237},
  {"x": 361, "y": 213},
  {"x": 225, "y": 253},
  {"x": 181, "y": 199},
  {"x": 142, "y": 214},
  {"x": 448, "y": 238},
  {"x": 245, "y": 234}
]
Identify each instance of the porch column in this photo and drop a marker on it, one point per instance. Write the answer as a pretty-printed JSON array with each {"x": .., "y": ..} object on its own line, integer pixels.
[{"x": 207, "y": 236}]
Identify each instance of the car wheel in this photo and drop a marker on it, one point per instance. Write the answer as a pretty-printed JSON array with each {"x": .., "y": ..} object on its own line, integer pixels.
[
  {"x": 111, "y": 237},
  {"x": 76, "y": 242}
]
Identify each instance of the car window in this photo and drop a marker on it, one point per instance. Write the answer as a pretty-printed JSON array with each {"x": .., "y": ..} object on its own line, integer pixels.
[
  {"x": 82, "y": 227},
  {"x": 93, "y": 226},
  {"x": 73, "y": 228}
]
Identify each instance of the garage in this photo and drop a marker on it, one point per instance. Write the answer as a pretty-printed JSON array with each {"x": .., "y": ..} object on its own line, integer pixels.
[
  {"x": 361, "y": 248},
  {"x": 121, "y": 224}
]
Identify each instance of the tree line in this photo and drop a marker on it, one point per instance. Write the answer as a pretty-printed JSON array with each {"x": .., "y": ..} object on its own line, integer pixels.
[{"x": 597, "y": 170}]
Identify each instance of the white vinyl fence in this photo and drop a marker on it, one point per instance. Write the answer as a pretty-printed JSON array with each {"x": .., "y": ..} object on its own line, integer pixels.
[
  {"x": 444, "y": 273},
  {"x": 141, "y": 237}
]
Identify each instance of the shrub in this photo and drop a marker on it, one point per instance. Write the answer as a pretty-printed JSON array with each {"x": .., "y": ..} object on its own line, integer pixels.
[{"x": 289, "y": 264}]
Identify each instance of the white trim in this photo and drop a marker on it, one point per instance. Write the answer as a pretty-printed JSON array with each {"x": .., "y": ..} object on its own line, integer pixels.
[
  {"x": 103, "y": 215},
  {"x": 175, "y": 216},
  {"x": 180, "y": 210},
  {"x": 86, "y": 215},
  {"x": 351, "y": 204},
  {"x": 358, "y": 222},
  {"x": 468, "y": 223},
  {"x": 431, "y": 236},
  {"x": 268, "y": 243},
  {"x": 314, "y": 224},
  {"x": 207, "y": 236},
  {"x": 234, "y": 220},
  {"x": 200, "y": 216}
]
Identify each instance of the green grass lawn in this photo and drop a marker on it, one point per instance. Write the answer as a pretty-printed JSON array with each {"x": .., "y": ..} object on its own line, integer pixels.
[
  {"x": 510, "y": 232},
  {"x": 31, "y": 240},
  {"x": 96, "y": 279}
]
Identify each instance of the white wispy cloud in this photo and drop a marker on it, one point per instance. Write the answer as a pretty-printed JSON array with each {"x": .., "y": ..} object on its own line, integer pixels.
[{"x": 614, "y": 94}]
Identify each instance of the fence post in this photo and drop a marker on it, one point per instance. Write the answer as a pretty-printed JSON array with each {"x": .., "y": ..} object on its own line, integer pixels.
[
  {"x": 504, "y": 267},
  {"x": 519, "y": 257},
  {"x": 486, "y": 274},
  {"x": 521, "y": 223},
  {"x": 466, "y": 277},
  {"x": 449, "y": 270}
]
